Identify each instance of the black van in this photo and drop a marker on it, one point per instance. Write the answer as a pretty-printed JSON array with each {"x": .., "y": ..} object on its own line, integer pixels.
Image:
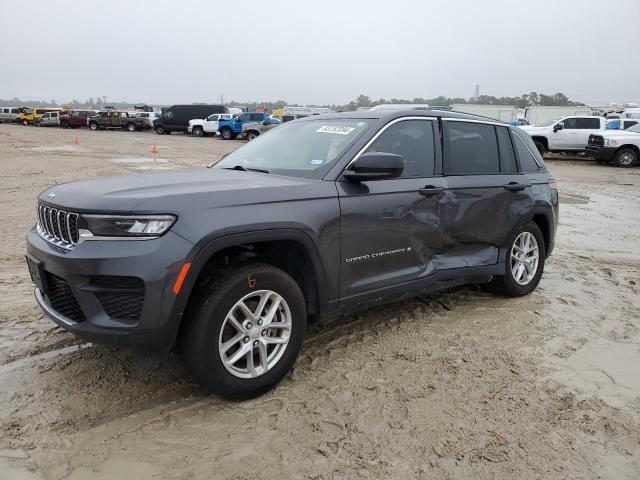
[{"x": 176, "y": 117}]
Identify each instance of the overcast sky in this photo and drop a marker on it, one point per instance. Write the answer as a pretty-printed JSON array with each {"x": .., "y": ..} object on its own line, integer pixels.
[{"x": 318, "y": 52}]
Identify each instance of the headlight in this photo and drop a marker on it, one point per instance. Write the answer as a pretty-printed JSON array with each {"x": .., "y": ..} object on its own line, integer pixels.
[
  {"x": 147, "y": 226},
  {"x": 608, "y": 141}
]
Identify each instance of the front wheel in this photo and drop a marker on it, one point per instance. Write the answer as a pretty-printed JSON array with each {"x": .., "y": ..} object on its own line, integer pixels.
[
  {"x": 252, "y": 135},
  {"x": 625, "y": 157},
  {"x": 160, "y": 130},
  {"x": 25, "y": 123},
  {"x": 246, "y": 330},
  {"x": 197, "y": 132},
  {"x": 93, "y": 126},
  {"x": 541, "y": 148},
  {"x": 131, "y": 127},
  {"x": 524, "y": 263}
]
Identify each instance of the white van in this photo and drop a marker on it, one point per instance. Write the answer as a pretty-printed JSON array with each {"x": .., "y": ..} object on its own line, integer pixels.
[{"x": 9, "y": 114}]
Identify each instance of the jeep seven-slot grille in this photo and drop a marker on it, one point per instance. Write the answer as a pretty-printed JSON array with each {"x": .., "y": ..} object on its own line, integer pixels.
[
  {"x": 61, "y": 298},
  {"x": 596, "y": 140},
  {"x": 58, "y": 226}
]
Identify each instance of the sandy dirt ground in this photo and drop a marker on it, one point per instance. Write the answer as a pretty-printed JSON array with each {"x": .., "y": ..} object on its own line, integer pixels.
[{"x": 458, "y": 385}]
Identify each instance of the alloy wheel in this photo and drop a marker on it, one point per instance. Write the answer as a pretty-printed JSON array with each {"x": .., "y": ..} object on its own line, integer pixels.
[
  {"x": 255, "y": 334},
  {"x": 525, "y": 256}
]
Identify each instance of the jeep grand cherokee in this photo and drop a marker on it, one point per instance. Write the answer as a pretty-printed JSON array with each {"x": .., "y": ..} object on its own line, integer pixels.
[{"x": 315, "y": 218}]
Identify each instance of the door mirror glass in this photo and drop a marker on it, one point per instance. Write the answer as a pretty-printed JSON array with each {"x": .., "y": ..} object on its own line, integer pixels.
[
  {"x": 558, "y": 126},
  {"x": 375, "y": 166}
]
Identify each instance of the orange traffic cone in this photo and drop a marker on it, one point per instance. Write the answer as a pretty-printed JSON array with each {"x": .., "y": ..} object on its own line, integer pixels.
[
  {"x": 76, "y": 140},
  {"x": 154, "y": 148}
]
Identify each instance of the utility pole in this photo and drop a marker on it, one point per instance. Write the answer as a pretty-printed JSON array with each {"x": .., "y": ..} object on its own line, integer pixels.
[
  {"x": 477, "y": 94},
  {"x": 221, "y": 99}
]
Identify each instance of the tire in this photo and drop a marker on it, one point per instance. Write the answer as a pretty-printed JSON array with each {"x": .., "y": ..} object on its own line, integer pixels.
[
  {"x": 541, "y": 148},
  {"x": 25, "y": 123},
  {"x": 209, "y": 326},
  {"x": 160, "y": 130},
  {"x": 625, "y": 158},
  {"x": 227, "y": 134},
  {"x": 252, "y": 135},
  {"x": 93, "y": 126},
  {"x": 131, "y": 127},
  {"x": 507, "y": 284},
  {"x": 64, "y": 125},
  {"x": 197, "y": 132}
]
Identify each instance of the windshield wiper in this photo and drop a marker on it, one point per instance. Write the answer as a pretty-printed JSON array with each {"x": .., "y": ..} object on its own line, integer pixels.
[{"x": 246, "y": 169}]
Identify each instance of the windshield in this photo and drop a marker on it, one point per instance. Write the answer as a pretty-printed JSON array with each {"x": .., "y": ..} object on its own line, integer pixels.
[
  {"x": 297, "y": 149},
  {"x": 635, "y": 128}
]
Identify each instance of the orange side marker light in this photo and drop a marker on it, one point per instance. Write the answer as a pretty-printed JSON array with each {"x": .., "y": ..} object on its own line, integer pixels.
[{"x": 181, "y": 276}]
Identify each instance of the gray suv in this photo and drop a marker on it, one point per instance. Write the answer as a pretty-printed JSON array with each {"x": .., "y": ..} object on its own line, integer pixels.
[{"x": 316, "y": 218}]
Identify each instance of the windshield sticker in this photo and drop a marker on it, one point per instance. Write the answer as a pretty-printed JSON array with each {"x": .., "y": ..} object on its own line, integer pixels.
[
  {"x": 317, "y": 162},
  {"x": 335, "y": 129}
]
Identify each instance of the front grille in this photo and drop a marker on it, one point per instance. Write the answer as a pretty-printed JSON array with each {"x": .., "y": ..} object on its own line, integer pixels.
[
  {"x": 120, "y": 297},
  {"x": 58, "y": 226},
  {"x": 61, "y": 298},
  {"x": 596, "y": 140}
]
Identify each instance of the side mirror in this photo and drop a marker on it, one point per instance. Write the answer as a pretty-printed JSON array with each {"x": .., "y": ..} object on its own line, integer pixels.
[
  {"x": 375, "y": 166},
  {"x": 558, "y": 126}
]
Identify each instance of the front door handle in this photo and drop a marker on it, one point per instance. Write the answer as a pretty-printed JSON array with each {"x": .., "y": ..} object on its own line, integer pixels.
[
  {"x": 514, "y": 186},
  {"x": 430, "y": 191}
]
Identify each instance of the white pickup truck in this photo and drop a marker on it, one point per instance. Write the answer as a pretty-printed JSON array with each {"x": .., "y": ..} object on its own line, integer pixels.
[
  {"x": 209, "y": 126},
  {"x": 565, "y": 134},
  {"x": 620, "y": 147}
]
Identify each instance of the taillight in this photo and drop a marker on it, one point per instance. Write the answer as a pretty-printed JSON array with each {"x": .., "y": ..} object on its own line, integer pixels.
[{"x": 553, "y": 185}]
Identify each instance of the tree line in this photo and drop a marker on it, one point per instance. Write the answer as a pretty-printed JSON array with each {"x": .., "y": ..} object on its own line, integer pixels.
[{"x": 523, "y": 101}]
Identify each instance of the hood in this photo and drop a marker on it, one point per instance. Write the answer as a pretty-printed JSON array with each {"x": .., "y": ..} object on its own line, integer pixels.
[
  {"x": 533, "y": 128},
  {"x": 175, "y": 192}
]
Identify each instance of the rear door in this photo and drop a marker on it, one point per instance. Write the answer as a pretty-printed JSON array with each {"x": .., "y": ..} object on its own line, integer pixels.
[
  {"x": 485, "y": 194},
  {"x": 586, "y": 126},
  {"x": 390, "y": 228}
]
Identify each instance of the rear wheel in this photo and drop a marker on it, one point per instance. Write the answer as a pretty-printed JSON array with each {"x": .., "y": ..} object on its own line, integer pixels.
[
  {"x": 197, "y": 132},
  {"x": 625, "y": 157},
  {"x": 524, "y": 263},
  {"x": 246, "y": 330},
  {"x": 64, "y": 124},
  {"x": 226, "y": 134},
  {"x": 131, "y": 127},
  {"x": 25, "y": 122},
  {"x": 252, "y": 135},
  {"x": 93, "y": 126}
]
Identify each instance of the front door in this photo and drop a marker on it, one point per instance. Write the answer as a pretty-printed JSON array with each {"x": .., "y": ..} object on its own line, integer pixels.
[
  {"x": 566, "y": 138},
  {"x": 390, "y": 228}
]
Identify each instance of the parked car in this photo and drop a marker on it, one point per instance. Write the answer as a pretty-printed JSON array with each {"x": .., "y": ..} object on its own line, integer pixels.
[
  {"x": 176, "y": 118},
  {"x": 620, "y": 147},
  {"x": 148, "y": 118},
  {"x": 518, "y": 122},
  {"x": 567, "y": 134},
  {"x": 620, "y": 124},
  {"x": 209, "y": 126},
  {"x": 251, "y": 130},
  {"x": 9, "y": 114},
  {"x": 231, "y": 127},
  {"x": 320, "y": 217},
  {"x": 116, "y": 119},
  {"x": 30, "y": 116},
  {"x": 48, "y": 119},
  {"x": 76, "y": 118}
]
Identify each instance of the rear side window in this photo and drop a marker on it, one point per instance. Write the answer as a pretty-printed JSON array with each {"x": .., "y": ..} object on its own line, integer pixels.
[
  {"x": 588, "y": 123},
  {"x": 629, "y": 123},
  {"x": 256, "y": 117},
  {"x": 527, "y": 161},
  {"x": 470, "y": 148},
  {"x": 507, "y": 157},
  {"x": 413, "y": 139}
]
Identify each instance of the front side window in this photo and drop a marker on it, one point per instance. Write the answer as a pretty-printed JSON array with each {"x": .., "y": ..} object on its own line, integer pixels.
[
  {"x": 470, "y": 148},
  {"x": 413, "y": 140},
  {"x": 168, "y": 115},
  {"x": 570, "y": 123},
  {"x": 213, "y": 117},
  {"x": 527, "y": 161},
  {"x": 244, "y": 117},
  {"x": 298, "y": 149}
]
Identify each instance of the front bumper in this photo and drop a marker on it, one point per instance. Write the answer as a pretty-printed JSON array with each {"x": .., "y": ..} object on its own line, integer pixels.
[
  {"x": 601, "y": 152},
  {"x": 155, "y": 264}
]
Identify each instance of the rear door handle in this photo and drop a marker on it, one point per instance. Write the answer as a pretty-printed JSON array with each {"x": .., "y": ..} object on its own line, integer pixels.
[
  {"x": 430, "y": 191},
  {"x": 514, "y": 187}
]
